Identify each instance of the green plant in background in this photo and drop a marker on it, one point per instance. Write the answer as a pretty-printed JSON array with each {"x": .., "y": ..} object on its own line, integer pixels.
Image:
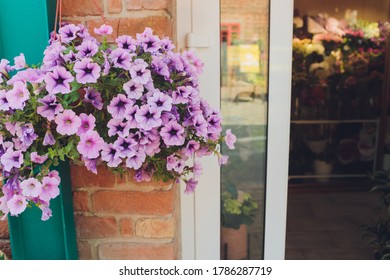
[
  {"x": 237, "y": 207},
  {"x": 378, "y": 233}
]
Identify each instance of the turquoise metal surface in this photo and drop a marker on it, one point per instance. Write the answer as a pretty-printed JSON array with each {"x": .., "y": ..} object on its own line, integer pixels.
[{"x": 24, "y": 28}]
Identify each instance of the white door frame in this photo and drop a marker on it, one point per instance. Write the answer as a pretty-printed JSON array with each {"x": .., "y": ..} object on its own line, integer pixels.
[{"x": 200, "y": 213}]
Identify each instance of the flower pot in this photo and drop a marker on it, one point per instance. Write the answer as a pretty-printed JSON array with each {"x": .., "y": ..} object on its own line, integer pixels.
[
  {"x": 234, "y": 243},
  {"x": 323, "y": 169}
]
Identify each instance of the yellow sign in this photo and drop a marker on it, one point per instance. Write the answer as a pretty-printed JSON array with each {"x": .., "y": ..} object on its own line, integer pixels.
[{"x": 249, "y": 58}]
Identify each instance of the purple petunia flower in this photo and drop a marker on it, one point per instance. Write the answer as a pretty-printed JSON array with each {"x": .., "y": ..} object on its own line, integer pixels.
[
  {"x": 150, "y": 42},
  {"x": 90, "y": 164},
  {"x": 11, "y": 159},
  {"x": 222, "y": 159},
  {"x": 103, "y": 30},
  {"x": 120, "y": 58},
  {"x": 110, "y": 155},
  {"x": 119, "y": 105},
  {"x": 4, "y": 105},
  {"x": 147, "y": 118},
  {"x": 25, "y": 133},
  {"x": 230, "y": 139},
  {"x": 67, "y": 122},
  {"x": 50, "y": 188},
  {"x": 17, "y": 96},
  {"x": 197, "y": 169},
  {"x": 20, "y": 62},
  {"x": 46, "y": 211},
  {"x": 50, "y": 107},
  {"x": 130, "y": 116},
  {"x": 90, "y": 144},
  {"x": 48, "y": 139},
  {"x": 118, "y": 127},
  {"x": 31, "y": 187},
  {"x": 86, "y": 71},
  {"x": 160, "y": 102},
  {"x": 135, "y": 161},
  {"x": 172, "y": 134},
  {"x": 125, "y": 147},
  {"x": 87, "y": 123},
  {"x": 191, "y": 185},
  {"x": 58, "y": 81},
  {"x": 133, "y": 90},
  {"x": 17, "y": 204},
  {"x": 181, "y": 95},
  {"x": 88, "y": 48},
  {"x": 126, "y": 42},
  {"x": 37, "y": 158},
  {"x": 191, "y": 148},
  {"x": 139, "y": 72},
  {"x": 160, "y": 67},
  {"x": 214, "y": 123},
  {"x": 68, "y": 33},
  {"x": 94, "y": 97}
]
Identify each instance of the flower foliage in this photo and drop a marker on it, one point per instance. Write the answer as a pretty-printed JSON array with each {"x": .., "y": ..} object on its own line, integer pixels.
[{"x": 132, "y": 105}]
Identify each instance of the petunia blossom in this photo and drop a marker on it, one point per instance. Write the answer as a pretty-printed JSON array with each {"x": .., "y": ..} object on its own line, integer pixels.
[
  {"x": 118, "y": 106},
  {"x": 121, "y": 58},
  {"x": 50, "y": 107},
  {"x": 31, "y": 187},
  {"x": 86, "y": 71},
  {"x": 90, "y": 144},
  {"x": 11, "y": 159},
  {"x": 17, "y": 204},
  {"x": 20, "y": 62},
  {"x": 37, "y": 158},
  {"x": 58, "y": 81},
  {"x": 110, "y": 155},
  {"x": 67, "y": 122},
  {"x": 172, "y": 134},
  {"x": 87, "y": 123},
  {"x": 50, "y": 188},
  {"x": 230, "y": 139},
  {"x": 139, "y": 72},
  {"x": 191, "y": 185},
  {"x": 103, "y": 30},
  {"x": 133, "y": 89},
  {"x": 18, "y": 96}
]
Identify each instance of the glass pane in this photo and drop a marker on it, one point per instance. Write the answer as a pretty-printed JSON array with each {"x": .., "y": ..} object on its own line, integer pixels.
[
  {"x": 244, "y": 75},
  {"x": 338, "y": 129}
]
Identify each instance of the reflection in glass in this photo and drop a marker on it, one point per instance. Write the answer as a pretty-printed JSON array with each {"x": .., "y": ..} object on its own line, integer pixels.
[{"x": 244, "y": 69}]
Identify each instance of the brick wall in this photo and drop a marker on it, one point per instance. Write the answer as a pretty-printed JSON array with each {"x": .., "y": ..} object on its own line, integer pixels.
[
  {"x": 117, "y": 218},
  {"x": 5, "y": 244}
]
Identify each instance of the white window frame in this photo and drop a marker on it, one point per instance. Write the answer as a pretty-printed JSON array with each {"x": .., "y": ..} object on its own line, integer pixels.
[{"x": 200, "y": 212}]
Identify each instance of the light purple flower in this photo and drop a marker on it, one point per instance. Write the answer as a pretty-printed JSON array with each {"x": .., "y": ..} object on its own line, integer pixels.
[
  {"x": 17, "y": 96},
  {"x": 68, "y": 33},
  {"x": 110, "y": 155},
  {"x": 130, "y": 116},
  {"x": 147, "y": 118},
  {"x": 103, "y": 30},
  {"x": 135, "y": 161},
  {"x": 133, "y": 89},
  {"x": 86, "y": 71},
  {"x": 37, "y": 158},
  {"x": 118, "y": 106},
  {"x": 191, "y": 148},
  {"x": 150, "y": 42},
  {"x": 181, "y": 95},
  {"x": 230, "y": 139},
  {"x": 50, "y": 188},
  {"x": 67, "y": 122},
  {"x": 87, "y": 123},
  {"x": 90, "y": 144},
  {"x": 222, "y": 159},
  {"x": 11, "y": 159},
  {"x": 118, "y": 127},
  {"x": 139, "y": 73},
  {"x": 4, "y": 105},
  {"x": 3, "y": 207},
  {"x": 88, "y": 48},
  {"x": 126, "y": 42},
  {"x": 94, "y": 97},
  {"x": 54, "y": 174},
  {"x": 52, "y": 56},
  {"x": 90, "y": 164},
  {"x": 46, "y": 211},
  {"x": 20, "y": 62},
  {"x": 120, "y": 58},
  {"x": 50, "y": 107},
  {"x": 17, "y": 204},
  {"x": 197, "y": 169},
  {"x": 48, "y": 139},
  {"x": 214, "y": 123},
  {"x": 125, "y": 147},
  {"x": 31, "y": 187},
  {"x": 58, "y": 81},
  {"x": 160, "y": 67},
  {"x": 172, "y": 134},
  {"x": 191, "y": 185},
  {"x": 160, "y": 102},
  {"x": 175, "y": 164}
]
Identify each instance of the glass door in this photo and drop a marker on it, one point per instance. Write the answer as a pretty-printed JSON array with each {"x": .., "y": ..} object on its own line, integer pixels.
[{"x": 239, "y": 211}]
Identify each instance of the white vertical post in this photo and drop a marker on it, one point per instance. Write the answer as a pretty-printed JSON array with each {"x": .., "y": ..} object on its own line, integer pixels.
[{"x": 281, "y": 23}]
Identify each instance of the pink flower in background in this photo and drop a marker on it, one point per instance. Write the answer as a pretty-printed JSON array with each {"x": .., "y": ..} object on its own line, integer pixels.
[
  {"x": 87, "y": 123},
  {"x": 103, "y": 30},
  {"x": 90, "y": 144},
  {"x": 37, "y": 158},
  {"x": 20, "y": 62},
  {"x": 230, "y": 139},
  {"x": 191, "y": 185},
  {"x": 31, "y": 187},
  {"x": 18, "y": 96},
  {"x": 17, "y": 204},
  {"x": 50, "y": 188}
]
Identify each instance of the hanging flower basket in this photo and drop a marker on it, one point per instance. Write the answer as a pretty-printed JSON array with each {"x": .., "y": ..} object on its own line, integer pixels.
[{"x": 133, "y": 105}]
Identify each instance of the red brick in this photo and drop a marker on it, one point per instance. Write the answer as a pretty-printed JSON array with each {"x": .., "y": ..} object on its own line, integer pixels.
[
  {"x": 114, "y": 6},
  {"x": 131, "y": 251},
  {"x": 80, "y": 201},
  {"x": 120, "y": 202},
  {"x": 126, "y": 227},
  {"x": 84, "y": 250},
  {"x": 147, "y": 4},
  {"x": 161, "y": 25},
  {"x": 96, "y": 227},
  {"x": 4, "y": 233},
  {"x": 5, "y": 246},
  {"x": 155, "y": 228},
  {"x": 92, "y": 24},
  {"x": 82, "y": 178},
  {"x": 81, "y": 8}
]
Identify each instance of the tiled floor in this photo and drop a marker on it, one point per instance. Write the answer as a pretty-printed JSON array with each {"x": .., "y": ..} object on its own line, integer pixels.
[{"x": 325, "y": 226}]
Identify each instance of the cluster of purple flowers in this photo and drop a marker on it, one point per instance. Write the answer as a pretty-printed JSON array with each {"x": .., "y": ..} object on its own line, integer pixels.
[{"x": 134, "y": 105}]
